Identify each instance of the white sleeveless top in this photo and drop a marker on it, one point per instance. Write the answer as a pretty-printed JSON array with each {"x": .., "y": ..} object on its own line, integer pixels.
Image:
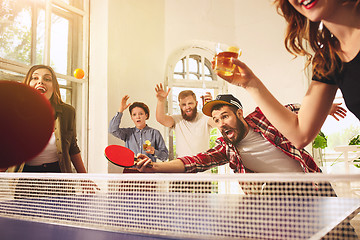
[{"x": 48, "y": 155}]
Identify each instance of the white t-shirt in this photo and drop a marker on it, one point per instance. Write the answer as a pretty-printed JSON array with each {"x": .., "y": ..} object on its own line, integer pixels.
[
  {"x": 48, "y": 155},
  {"x": 259, "y": 155},
  {"x": 191, "y": 137}
]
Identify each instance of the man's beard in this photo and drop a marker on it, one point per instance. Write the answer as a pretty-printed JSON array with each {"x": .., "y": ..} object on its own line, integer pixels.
[
  {"x": 189, "y": 117},
  {"x": 240, "y": 130}
]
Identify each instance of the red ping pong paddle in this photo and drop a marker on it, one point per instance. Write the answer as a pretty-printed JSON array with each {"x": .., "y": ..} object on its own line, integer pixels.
[
  {"x": 121, "y": 156},
  {"x": 26, "y": 123}
]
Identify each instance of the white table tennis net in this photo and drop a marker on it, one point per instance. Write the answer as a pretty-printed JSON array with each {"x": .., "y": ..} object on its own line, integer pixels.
[{"x": 196, "y": 206}]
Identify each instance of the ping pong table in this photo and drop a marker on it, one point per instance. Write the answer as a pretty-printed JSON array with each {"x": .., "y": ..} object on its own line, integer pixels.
[
  {"x": 135, "y": 214},
  {"x": 247, "y": 217}
]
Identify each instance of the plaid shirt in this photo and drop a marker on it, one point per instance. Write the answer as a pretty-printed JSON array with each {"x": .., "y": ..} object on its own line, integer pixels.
[{"x": 224, "y": 153}]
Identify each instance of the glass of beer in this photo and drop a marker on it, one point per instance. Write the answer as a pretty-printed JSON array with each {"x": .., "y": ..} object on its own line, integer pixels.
[
  {"x": 146, "y": 144},
  {"x": 222, "y": 60}
]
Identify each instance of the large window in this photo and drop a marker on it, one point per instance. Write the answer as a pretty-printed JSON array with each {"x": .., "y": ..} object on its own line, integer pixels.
[
  {"x": 50, "y": 32},
  {"x": 191, "y": 69}
]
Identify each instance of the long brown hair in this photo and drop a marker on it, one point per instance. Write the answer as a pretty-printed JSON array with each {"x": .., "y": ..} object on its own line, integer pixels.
[
  {"x": 301, "y": 34},
  {"x": 56, "y": 97}
]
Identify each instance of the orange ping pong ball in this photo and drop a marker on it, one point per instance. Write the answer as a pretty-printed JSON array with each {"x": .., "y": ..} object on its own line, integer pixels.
[{"x": 79, "y": 73}]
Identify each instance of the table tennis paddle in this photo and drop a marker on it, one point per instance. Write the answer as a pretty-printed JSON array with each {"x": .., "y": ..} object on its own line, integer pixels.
[
  {"x": 121, "y": 156},
  {"x": 26, "y": 123}
]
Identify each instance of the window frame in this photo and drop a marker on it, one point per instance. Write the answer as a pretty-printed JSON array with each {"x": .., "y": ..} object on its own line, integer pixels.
[
  {"x": 77, "y": 87},
  {"x": 204, "y": 52}
]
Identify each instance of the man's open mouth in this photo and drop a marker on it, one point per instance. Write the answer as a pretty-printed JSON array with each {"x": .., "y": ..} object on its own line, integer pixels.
[{"x": 229, "y": 133}]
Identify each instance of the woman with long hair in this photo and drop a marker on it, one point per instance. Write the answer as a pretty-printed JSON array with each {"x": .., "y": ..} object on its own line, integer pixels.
[
  {"x": 62, "y": 150},
  {"x": 327, "y": 32}
]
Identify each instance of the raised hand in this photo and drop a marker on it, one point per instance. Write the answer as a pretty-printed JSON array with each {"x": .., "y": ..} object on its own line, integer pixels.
[
  {"x": 161, "y": 95},
  {"x": 207, "y": 97},
  {"x": 337, "y": 111},
  {"x": 124, "y": 105},
  {"x": 242, "y": 74}
]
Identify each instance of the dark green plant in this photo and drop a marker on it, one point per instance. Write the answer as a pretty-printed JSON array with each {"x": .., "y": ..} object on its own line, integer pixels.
[
  {"x": 356, "y": 141},
  {"x": 213, "y": 137}
]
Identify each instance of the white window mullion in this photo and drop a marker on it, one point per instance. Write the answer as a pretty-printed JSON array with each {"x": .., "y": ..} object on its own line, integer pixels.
[
  {"x": 71, "y": 8},
  {"x": 47, "y": 32},
  {"x": 34, "y": 18},
  {"x": 85, "y": 85},
  {"x": 187, "y": 67},
  {"x": 202, "y": 62}
]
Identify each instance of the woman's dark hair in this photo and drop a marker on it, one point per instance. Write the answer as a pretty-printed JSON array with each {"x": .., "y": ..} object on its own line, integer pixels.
[{"x": 140, "y": 105}]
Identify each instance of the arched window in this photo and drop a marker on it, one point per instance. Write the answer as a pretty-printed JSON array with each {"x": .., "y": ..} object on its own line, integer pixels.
[
  {"x": 194, "y": 67},
  {"x": 190, "y": 69}
]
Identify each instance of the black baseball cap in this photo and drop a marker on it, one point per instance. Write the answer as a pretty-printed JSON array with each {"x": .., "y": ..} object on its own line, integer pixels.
[{"x": 228, "y": 99}]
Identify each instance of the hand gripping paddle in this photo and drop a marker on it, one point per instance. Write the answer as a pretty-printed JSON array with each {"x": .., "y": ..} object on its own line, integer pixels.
[
  {"x": 26, "y": 123},
  {"x": 121, "y": 156}
]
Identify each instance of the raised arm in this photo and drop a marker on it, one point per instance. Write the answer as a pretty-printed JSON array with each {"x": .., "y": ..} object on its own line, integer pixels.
[
  {"x": 299, "y": 128},
  {"x": 114, "y": 126},
  {"x": 208, "y": 98},
  {"x": 161, "y": 116},
  {"x": 124, "y": 105}
]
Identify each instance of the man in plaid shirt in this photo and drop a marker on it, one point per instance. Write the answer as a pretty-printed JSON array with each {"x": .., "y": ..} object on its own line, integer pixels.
[{"x": 249, "y": 144}]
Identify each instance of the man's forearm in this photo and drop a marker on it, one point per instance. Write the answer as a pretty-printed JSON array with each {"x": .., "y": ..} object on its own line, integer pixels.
[{"x": 174, "y": 166}]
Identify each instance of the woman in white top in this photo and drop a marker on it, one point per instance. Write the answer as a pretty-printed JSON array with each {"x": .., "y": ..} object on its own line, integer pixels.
[{"x": 62, "y": 150}]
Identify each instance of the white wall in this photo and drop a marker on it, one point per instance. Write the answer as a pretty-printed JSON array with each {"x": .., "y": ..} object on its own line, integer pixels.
[
  {"x": 260, "y": 32},
  {"x": 131, "y": 42},
  {"x": 136, "y": 56},
  {"x": 98, "y": 86}
]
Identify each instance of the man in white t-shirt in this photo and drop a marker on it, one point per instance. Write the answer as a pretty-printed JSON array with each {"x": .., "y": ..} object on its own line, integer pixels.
[{"x": 192, "y": 129}]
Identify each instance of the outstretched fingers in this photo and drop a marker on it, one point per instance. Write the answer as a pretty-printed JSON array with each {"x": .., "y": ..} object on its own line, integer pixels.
[
  {"x": 336, "y": 111},
  {"x": 160, "y": 91}
]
